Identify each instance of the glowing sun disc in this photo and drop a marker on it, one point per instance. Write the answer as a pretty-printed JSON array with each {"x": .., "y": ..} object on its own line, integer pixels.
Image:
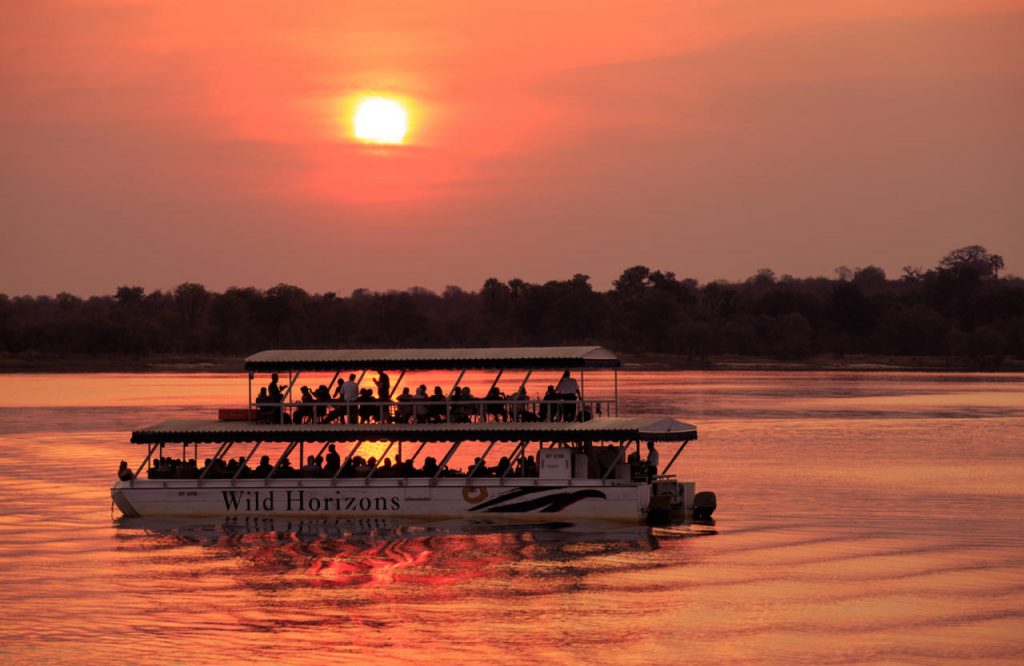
[{"x": 380, "y": 120}]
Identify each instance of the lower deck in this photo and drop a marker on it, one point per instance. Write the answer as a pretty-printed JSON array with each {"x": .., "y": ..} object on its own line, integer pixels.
[{"x": 509, "y": 499}]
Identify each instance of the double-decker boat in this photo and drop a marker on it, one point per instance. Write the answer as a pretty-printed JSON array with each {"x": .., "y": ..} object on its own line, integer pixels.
[{"x": 567, "y": 456}]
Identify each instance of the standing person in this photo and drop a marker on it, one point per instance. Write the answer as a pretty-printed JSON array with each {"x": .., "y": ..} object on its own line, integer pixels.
[
  {"x": 348, "y": 391},
  {"x": 275, "y": 394},
  {"x": 652, "y": 460},
  {"x": 419, "y": 411},
  {"x": 383, "y": 383},
  {"x": 333, "y": 460},
  {"x": 568, "y": 392}
]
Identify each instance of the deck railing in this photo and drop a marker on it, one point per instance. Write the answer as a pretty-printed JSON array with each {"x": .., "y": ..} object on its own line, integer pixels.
[{"x": 431, "y": 411}]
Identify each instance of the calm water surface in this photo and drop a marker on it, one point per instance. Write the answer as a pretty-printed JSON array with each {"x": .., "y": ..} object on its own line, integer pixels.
[{"x": 863, "y": 518}]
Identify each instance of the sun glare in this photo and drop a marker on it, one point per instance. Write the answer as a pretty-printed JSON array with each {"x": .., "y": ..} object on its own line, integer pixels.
[{"x": 380, "y": 120}]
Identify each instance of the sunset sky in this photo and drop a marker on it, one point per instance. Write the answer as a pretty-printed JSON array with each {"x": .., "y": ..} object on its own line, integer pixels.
[{"x": 153, "y": 143}]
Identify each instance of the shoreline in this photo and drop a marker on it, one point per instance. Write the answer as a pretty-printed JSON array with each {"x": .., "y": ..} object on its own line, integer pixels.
[{"x": 12, "y": 364}]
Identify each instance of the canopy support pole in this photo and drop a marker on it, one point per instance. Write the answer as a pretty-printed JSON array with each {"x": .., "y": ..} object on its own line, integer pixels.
[
  {"x": 583, "y": 393},
  {"x": 447, "y": 457},
  {"x": 398, "y": 381},
  {"x": 517, "y": 453},
  {"x": 616, "y": 391},
  {"x": 413, "y": 459},
  {"x": 522, "y": 385},
  {"x": 448, "y": 401},
  {"x": 376, "y": 464},
  {"x": 216, "y": 456},
  {"x": 334, "y": 479},
  {"x": 678, "y": 451},
  {"x": 495, "y": 382},
  {"x": 152, "y": 450},
  {"x": 248, "y": 416},
  {"x": 280, "y": 461},
  {"x": 245, "y": 462},
  {"x": 322, "y": 449},
  {"x": 288, "y": 393}
]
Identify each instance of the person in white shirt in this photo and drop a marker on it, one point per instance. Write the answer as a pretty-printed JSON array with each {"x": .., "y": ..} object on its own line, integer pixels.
[
  {"x": 652, "y": 459},
  {"x": 568, "y": 390},
  {"x": 347, "y": 391}
]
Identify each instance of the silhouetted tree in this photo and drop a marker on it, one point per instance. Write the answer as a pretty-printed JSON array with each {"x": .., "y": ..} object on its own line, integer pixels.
[{"x": 962, "y": 308}]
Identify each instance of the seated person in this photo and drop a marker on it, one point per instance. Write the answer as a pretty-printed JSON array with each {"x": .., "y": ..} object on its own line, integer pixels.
[
  {"x": 310, "y": 468},
  {"x": 438, "y": 408},
  {"x": 405, "y": 408},
  {"x": 304, "y": 414},
  {"x": 265, "y": 413},
  {"x": 322, "y": 395},
  {"x": 123, "y": 472},
  {"x": 549, "y": 405},
  {"x": 286, "y": 470},
  {"x": 530, "y": 467},
  {"x": 263, "y": 469},
  {"x": 430, "y": 466},
  {"x": 368, "y": 410},
  {"x": 464, "y": 410},
  {"x": 364, "y": 466},
  {"x": 502, "y": 467},
  {"x": 496, "y": 405}
]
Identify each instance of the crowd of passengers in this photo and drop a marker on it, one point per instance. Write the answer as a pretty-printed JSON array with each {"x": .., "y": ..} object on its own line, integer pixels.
[
  {"x": 351, "y": 404},
  {"x": 329, "y": 466},
  {"x": 319, "y": 466}
]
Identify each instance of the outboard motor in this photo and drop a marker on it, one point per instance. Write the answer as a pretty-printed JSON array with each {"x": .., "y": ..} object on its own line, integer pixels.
[{"x": 704, "y": 504}]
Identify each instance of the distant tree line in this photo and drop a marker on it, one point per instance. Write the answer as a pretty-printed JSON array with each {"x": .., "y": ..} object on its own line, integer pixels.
[{"x": 960, "y": 308}]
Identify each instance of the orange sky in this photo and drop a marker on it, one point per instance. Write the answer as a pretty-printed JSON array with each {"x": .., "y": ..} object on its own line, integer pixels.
[{"x": 153, "y": 143}]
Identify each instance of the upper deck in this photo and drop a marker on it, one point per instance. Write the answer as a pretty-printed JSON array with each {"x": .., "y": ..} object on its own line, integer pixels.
[
  {"x": 385, "y": 400},
  {"x": 477, "y": 358}
]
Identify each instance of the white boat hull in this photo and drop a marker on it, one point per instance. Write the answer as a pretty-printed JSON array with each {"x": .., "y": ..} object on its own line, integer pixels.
[{"x": 508, "y": 499}]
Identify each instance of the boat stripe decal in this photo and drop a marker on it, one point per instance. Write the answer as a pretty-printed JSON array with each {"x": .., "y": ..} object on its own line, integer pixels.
[
  {"x": 548, "y": 503},
  {"x": 515, "y": 494}
]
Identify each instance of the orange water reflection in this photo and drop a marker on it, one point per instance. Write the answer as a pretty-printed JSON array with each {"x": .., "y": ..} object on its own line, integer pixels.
[{"x": 862, "y": 518}]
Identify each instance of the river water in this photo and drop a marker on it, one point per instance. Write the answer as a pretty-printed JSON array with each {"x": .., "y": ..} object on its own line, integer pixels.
[{"x": 863, "y": 518}]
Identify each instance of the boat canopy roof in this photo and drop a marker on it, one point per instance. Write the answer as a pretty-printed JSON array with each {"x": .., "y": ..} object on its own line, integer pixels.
[
  {"x": 613, "y": 429},
  {"x": 478, "y": 358}
]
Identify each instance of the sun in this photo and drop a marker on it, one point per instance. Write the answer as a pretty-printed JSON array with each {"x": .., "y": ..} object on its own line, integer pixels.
[{"x": 380, "y": 120}]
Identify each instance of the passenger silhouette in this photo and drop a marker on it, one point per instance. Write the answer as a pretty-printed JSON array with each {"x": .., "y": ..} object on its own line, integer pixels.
[
  {"x": 305, "y": 412},
  {"x": 265, "y": 412},
  {"x": 495, "y": 407},
  {"x": 568, "y": 392},
  {"x": 549, "y": 405},
  {"x": 124, "y": 473},
  {"x": 322, "y": 395},
  {"x": 437, "y": 410},
  {"x": 383, "y": 383},
  {"x": 404, "y": 412},
  {"x": 419, "y": 410},
  {"x": 275, "y": 393},
  {"x": 652, "y": 460}
]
